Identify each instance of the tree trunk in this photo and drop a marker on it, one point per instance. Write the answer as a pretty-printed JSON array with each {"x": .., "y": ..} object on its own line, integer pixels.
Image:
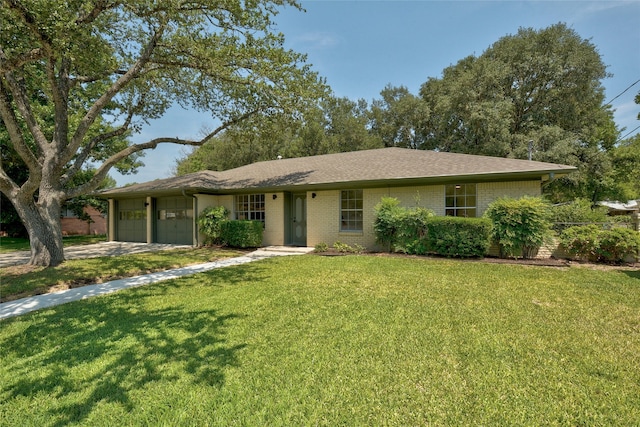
[{"x": 42, "y": 221}]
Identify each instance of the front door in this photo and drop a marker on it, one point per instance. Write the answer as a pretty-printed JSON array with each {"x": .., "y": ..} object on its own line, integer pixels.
[{"x": 299, "y": 220}]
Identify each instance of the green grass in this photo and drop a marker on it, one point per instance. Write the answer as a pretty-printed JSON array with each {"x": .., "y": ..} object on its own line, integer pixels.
[
  {"x": 12, "y": 244},
  {"x": 355, "y": 340},
  {"x": 23, "y": 281}
]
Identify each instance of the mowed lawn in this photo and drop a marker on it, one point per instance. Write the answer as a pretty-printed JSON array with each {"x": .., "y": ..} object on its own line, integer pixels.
[{"x": 353, "y": 340}]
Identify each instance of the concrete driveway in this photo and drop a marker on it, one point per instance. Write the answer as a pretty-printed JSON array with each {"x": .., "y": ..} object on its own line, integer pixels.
[{"x": 92, "y": 251}]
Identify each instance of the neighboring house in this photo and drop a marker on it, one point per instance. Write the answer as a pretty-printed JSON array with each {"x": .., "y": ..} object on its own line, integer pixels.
[
  {"x": 619, "y": 208},
  {"x": 72, "y": 225},
  {"x": 308, "y": 200}
]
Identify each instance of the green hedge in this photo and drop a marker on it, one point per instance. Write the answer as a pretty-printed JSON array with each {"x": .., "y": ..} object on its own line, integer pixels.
[
  {"x": 412, "y": 231},
  {"x": 417, "y": 231},
  {"x": 591, "y": 243},
  {"x": 241, "y": 234},
  {"x": 520, "y": 226},
  {"x": 209, "y": 222},
  {"x": 458, "y": 237}
]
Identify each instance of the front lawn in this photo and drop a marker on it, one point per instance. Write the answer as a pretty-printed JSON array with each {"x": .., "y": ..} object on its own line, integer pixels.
[
  {"x": 24, "y": 280},
  {"x": 354, "y": 340}
]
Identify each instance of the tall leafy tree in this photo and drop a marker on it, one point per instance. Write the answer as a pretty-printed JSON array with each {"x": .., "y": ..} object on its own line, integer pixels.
[
  {"x": 399, "y": 118},
  {"x": 103, "y": 68},
  {"x": 542, "y": 86},
  {"x": 332, "y": 125},
  {"x": 626, "y": 163}
]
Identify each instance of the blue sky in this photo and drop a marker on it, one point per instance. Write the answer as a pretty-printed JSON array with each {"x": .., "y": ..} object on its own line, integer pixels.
[{"x": 361, "y": 46}]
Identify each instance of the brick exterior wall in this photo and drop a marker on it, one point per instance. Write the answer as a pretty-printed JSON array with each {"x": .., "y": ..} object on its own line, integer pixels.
[
  {"x": 75, "y": 226},
  {"x": 274, "y": 219},
  {"x": 323, "y": 210}
]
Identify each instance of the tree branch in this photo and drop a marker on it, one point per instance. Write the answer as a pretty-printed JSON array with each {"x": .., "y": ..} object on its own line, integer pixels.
[
  {"x": 15, "y": 135},
  {"x": 99, "y": 7},
  {"x": 24, "y": 107},
  {"x": 101, "y": 102},
  {"x": 103, "y": 170},
  {"x": 17, "y": 62},
  {"x": 86, "y": 151}
]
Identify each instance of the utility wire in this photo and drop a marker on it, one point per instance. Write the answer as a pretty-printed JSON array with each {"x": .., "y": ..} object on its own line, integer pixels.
[
  {"x": 621, "y": 93},
  {"x": 628, "y": 133}
]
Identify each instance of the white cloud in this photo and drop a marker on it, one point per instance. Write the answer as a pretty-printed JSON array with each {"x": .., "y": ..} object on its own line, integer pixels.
[
  {"x": 595, "y": 8},
  {"x": 317, "y": 40}
]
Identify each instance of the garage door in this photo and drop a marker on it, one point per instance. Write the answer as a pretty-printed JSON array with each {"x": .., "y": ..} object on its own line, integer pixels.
[
  {"x": 132, "y": 220},
  {"x": 174, "y": 220}
]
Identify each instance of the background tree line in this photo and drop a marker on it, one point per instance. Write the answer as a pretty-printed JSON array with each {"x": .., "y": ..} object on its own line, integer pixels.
[
  {"x": 77, "y": 79},
  {"x": 543, "y": 86}
]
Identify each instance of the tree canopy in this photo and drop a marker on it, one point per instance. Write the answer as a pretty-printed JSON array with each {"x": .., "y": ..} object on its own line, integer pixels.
[
  {"x": 543, "y": 86},
  {"x": 332, "y": 125},
  {"x": 78, "y": 77}
]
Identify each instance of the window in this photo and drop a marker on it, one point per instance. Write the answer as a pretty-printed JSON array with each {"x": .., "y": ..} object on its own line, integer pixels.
[
  {"x": 351, "y": 210},
  {"x": 133, "y": 214},
  {"x": 250, "y": 206},
  {"x": 460, "y": 200},
  {"x": 175, "y": 214},
  {"x": 66, "y": 212}
]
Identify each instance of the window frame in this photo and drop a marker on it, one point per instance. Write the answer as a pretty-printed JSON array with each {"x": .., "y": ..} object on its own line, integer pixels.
[
  {"x": 354, "y": 211},
  {"x": 249, "y": 207},
  {"x": 456, "y": 193}
]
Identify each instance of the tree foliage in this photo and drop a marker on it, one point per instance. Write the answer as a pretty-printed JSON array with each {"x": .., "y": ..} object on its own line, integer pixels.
[
  {"x": 626, "y": 165},
  {"x": 399, "y": 118},
  {"x": 542, "y": 86},
  {"x": 78, "y": 77},
  {"x": 332, "y": 125},
  {"x": 520, "y": 226}
]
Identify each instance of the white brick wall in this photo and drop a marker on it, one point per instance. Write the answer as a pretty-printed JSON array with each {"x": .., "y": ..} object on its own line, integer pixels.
[
  {"x": 323, "y": 211},
  {"x": 274, "y": 219}
]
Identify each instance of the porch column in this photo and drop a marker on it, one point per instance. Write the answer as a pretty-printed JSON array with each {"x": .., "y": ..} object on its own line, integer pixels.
[
  {"x": 111, "y": 221},
  {"x": 149, "y": 204}
]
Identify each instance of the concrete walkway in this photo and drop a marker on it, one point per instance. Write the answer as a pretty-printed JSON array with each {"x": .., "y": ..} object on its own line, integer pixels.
[{"x": 26, "y": 305}]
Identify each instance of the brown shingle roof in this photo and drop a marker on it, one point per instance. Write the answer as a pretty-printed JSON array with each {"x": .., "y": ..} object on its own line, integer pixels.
[{"x": 384, "y": 166}]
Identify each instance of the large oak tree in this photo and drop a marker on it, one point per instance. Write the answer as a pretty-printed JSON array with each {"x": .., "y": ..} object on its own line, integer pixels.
[
  {"x": 543, "y": 86},
  {"x": 102, "y": 68}
]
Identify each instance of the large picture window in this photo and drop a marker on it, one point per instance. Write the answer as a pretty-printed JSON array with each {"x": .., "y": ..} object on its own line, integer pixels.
[
  {"x": 250, "y": 207},
  {"x": 460, "y": 200},
  {"x": 351, "y": 210}
]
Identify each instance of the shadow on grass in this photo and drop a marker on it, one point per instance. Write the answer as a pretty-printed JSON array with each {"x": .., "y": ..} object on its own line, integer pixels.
[
  {"x": 19, "y": 283},
  {"x": 634, "y": 274},
  {"x": 105, "y": 349}
]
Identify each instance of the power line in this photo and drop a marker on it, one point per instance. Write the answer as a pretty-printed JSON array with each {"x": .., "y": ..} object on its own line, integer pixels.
[
  {"x": 629, "y": 133},
  {"x": 621, "y": 93}
]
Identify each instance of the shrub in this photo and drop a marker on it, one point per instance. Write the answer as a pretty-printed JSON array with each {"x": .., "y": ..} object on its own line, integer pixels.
[
  {"x": 241, "y": 234},
  {"x": 209, "y": 222},
  {"x": 617, "y": 244},
  {"x": 579, "y": 210},
  {"x": 590, "y": 243},
  {"x": 520, "y": 226},
  {"x": 387, "y": 220},
  {"x": 412, "y": 231},
  {"x": 458, "y": 237},
  {"x": 321, "y": 247},
  {"x": 345, "y": 248},
  {"x": 581, "y": 241}
]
